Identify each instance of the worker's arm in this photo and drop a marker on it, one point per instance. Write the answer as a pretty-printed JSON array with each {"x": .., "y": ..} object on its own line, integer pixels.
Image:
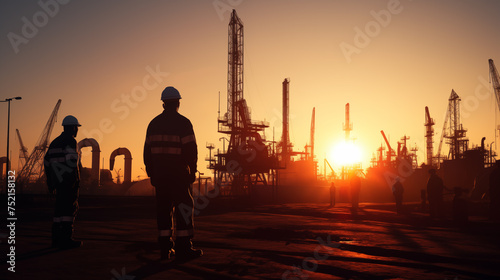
[
  {"x": 147, "y": 154},
  {"x": 47, "y": 169},
  {"x": 190, "y": 150}
]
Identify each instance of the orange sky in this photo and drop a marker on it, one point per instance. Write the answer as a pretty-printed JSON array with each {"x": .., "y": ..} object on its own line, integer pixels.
[{"x": 93, "y": 54}]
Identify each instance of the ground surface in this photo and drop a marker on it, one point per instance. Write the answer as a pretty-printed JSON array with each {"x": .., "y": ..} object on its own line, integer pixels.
[{"x": 241, "y": 241}]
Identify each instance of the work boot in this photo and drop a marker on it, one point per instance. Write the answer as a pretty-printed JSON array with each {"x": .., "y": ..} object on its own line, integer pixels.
[
  {"x": 166, "y": 247},
  {"x": 56, "y": 234},
  {"x": 67, "y": 241},
  {"x": 184, "y": 249}
]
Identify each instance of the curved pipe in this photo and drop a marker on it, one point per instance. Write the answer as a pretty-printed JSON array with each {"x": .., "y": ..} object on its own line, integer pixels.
[
  {"x": 91, "y": 142},
  {"x": 127, "y": 178},
  {"x": 482, "y": 143}
]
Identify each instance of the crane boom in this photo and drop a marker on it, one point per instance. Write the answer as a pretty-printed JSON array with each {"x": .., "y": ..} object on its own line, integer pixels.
[
  {"x": 32, "y": 170},
  {"x": 495, "y": 79},
  {"x": 389, "y": 152},
  {"x": 23, "y": 149},
  {"x": 442, "y": 135},
  {"x": 429, "y": 133}
]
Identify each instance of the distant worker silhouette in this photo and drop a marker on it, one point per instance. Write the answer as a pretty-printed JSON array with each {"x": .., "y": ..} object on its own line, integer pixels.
[
  {"x": 495, "y": 192},
  {"x": 435, "y": 190},
  {"x": 460, "y": 206},
  {"x": 355, "y": 184},
  {"x": 62, "y": 169},
  {"x": 332, "y": 194},
  {"x": 397, "y": 191},
  {"x": 170, "y": 156}
]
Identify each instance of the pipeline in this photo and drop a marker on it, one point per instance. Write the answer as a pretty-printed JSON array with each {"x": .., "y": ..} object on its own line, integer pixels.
[
  {"x": 127, "y": 178},
  {"x": 91, "y": 142}
]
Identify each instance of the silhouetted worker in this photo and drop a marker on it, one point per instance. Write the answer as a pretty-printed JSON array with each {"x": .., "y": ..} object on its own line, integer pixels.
[
  {"x": 62, "y": 169},
  {"x": 435, "y": 189},
  {"x": 355, "y": 184},
  {"x": 495, "y": 192},
  {"x": 460, "y": 207},
  {"x": 332, "y": 194},
  {"x": 423, "y": 199},
  {"x": 170, "y": 156},
  {"x": 397, "y": 191}
]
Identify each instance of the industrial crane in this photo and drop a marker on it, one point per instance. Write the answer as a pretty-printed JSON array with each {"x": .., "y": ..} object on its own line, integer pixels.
[
  {"x": 390, "y": 150},
  {"x": 495, "y": 79},
  {"x": 429, "y": 133},
  {"x": 32, "y": 170},
  {"x": 23, "y": 151}
]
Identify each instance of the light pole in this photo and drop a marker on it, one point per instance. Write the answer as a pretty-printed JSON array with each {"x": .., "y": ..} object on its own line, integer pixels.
[{"x": 8, "y": 100}]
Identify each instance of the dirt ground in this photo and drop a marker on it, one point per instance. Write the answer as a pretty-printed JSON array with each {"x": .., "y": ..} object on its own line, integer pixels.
[{"x": 242, "y": 240}]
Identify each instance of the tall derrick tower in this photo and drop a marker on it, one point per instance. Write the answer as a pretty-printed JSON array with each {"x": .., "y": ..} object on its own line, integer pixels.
[{"x": 247, "y": 160}]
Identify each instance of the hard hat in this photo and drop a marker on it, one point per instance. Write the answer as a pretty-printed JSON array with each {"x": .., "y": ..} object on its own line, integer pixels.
[
  {"x": 70, "y": 120},
  {"x": 170, "y": 93}
]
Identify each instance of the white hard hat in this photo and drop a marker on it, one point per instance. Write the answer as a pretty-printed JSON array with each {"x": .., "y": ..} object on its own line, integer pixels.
[
  {"x": 70, "y": 120},
  {"x": 170, "y": 93}
]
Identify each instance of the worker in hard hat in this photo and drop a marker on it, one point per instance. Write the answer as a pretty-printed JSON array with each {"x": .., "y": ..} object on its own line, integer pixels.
[
  {"x": 170, "y": 156},
  {"x": 62, "y": 169}
]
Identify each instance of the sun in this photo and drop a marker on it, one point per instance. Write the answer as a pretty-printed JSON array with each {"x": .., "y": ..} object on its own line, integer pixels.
[{"x": 345, "y": 153}]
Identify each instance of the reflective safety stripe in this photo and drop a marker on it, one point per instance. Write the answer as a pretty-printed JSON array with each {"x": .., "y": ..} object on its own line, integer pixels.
[
  {"x": 57, "y": 219},
  {"x": 67, "y": 219},
  {"x": 58, "y": 159},
  {"x": 166, "y": 150},
  {"x": 184, "y": 232},
  {"x": 55, "y": 150},
  {"x": 165, "y": 232},
  {"x": 187, "y": 139},
  {"x": 164, "y": 137},
  {"x": 65, "y": 158}
]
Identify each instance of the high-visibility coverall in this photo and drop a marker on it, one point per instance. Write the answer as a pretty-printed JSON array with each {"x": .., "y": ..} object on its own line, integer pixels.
[
  {"x": 170, "y": 156},
  {"x": 62, "y": 165}
]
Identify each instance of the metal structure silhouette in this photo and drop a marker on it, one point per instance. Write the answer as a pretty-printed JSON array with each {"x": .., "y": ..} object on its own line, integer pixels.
[
  {"x": 429, "y": 133},
  {"x": 23, "y": 151},
  {"x": 32, "y": 171},
  {"x": 247, "y": 161}
]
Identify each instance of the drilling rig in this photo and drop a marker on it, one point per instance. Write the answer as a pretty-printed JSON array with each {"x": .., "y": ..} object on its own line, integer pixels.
[
  {"x": 453, "y": 130},
  {"x": 247, "y": 161}
]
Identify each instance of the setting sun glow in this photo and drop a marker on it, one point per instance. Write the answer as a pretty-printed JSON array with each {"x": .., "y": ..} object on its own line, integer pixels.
[{"x": 345, "y": 153}]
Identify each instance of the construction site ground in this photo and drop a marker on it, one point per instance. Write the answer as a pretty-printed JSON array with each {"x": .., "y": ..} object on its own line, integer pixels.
[{"x": 243, "y": 240}]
